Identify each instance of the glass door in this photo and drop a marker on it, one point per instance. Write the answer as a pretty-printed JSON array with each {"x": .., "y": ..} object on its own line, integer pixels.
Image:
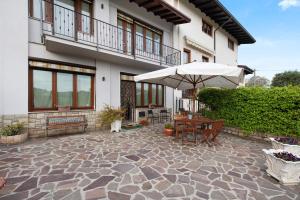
[{"x": 64, "y": 18}]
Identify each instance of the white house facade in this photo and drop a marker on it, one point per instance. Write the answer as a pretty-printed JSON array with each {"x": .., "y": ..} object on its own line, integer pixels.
[{"x": 84, "y": 54}]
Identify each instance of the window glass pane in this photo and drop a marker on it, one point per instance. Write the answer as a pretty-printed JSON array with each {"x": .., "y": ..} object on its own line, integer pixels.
[
  {"x": 37, "y": 8},
  {"x": 160, "y": 95},
  {"x": 120, "y": 34},
  {"x": 64, "y": 20},
  {"x": 185, "y": 57},
  {"x": 64, "y": 89},
  {"x": 149, "y": 41},
  {"x": 157, "y": 44},
  {"x": 153, "y": 94},
  {"x": 139, "y": 38},
  {"x": 84, "y": 90},
  {"x": 146, "y": 94},
  {"x": 42, "y": 89},
  {"x": 85, "y": 10},
  {"x": 138, "y": 93}
]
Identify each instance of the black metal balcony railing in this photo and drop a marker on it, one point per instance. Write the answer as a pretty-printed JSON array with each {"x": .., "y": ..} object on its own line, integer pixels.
[{"x": 68, "y": 24}]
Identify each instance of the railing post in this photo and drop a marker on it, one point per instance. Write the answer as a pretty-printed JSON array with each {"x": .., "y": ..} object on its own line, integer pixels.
[
  {"x": 133, "y": 41},
  {"x": 97, "y": 37},
  {"x": 41, "y": 20}
]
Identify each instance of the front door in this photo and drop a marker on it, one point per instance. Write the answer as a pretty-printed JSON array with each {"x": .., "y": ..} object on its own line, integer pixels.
[{"x": 128, "y": 99}]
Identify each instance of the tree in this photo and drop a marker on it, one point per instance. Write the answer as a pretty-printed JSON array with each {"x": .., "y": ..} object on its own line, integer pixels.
[
  {"x": 258, "y": 81},
  {"x": 286, "y": 78}
]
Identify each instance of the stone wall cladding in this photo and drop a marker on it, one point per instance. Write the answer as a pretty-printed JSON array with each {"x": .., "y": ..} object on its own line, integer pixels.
[
  {"x": 241, "y": 133},
  {"x": 37, "y": 122},
  {"x": 6, "y": 120}
]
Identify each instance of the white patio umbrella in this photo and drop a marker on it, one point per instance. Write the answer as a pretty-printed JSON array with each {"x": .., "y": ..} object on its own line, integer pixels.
[{"x": 195, "y": 75}]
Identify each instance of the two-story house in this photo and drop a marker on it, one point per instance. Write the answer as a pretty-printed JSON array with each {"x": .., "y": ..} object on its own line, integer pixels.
[{"x": 84, "y": 53}]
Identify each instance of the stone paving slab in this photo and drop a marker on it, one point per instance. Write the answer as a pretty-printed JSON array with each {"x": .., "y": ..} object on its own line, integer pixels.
[{"x": 138, "y": 165}]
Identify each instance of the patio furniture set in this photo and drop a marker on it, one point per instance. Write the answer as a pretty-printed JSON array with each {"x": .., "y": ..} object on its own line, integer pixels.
[{"x": 191, "y": 129}]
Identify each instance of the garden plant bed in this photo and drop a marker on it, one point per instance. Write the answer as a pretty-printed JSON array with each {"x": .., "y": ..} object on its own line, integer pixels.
[{"x": 283, "y": 166}]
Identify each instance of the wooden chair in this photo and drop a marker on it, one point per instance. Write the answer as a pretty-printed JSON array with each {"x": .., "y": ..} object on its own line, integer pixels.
[
  {"x": 217, "y": 129},
  {"x": 189, "y": 129},
  {"x": 211, "y": 131},
  {"x": 207, "y": 131},
  {"x": 179, "y": 126}
]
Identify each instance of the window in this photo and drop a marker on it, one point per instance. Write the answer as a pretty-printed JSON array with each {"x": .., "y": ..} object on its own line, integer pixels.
[
  {"x": 230, "y": 44},
  {"x": 147, "y": 93},
  {"x": 65, "y": 20},
  {"x": 64, "y": 89},
  {"x": 42, "y": 89},
  {"x": 50, "y": 89},
  {"x": 148, "y": 39},
  {"x": 205, "y": 59},
  {"x": 186, "y": 56},
  {"x": 86, "y": 22},
  {"x": 206, "y": 28}
]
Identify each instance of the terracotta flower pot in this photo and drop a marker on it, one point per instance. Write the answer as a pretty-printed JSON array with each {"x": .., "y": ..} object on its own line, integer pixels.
[{"x": 168, "y": 132}]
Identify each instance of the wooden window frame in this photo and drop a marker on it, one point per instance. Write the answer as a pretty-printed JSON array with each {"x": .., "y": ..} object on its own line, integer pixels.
[
  {"x": 54, "y": 90},
  {"x": 189, "y": 52},
  {"x": 150, "y": 96},
  {"x": 230, "y": 44},
  {"x": 205, "y": 59},
  {"x": 205, "y": 23}
]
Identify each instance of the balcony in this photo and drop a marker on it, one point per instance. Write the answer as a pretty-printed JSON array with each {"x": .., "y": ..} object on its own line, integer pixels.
[{"x": 96, "y": 35}]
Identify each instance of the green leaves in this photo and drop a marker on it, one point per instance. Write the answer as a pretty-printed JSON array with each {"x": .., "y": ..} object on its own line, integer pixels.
[
  {"x": 11, "y": 130},
  {"x": 268, "y": 110}
]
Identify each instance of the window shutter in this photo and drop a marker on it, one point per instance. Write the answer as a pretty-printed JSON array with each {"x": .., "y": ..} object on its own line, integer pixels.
[{"x": 49, "y": 11}]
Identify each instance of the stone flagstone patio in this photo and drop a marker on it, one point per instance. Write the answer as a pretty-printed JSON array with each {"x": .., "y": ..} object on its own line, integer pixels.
[{"x": 137, "y": 164}]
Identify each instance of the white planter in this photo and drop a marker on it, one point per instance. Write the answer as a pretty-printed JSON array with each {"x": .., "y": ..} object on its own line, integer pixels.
[
  {"x": 287, "y": 172},
  {"x": 294, "y": 149},
  {"x": 116, "y": 126}
]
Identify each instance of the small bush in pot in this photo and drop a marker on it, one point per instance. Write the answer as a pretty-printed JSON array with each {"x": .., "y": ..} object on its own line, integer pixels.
[
  {"x": 13, "y": 134},
  {"x": 168, "y": 130},
  {"x": 113, "y": 117},
  {"x": 12, "y": 130}
]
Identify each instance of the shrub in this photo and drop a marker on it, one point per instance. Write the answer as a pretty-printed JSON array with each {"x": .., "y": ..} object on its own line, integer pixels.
[
  {"x": 267, "y": 110},
  {"x": 108, "y": 115},
  {"x": 286, "y": 78},
  {"x": 11, "y": 130}
]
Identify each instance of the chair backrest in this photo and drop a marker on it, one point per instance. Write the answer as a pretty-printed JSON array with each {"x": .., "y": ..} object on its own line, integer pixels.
[
  {"x": 163, "y": 111},
  {"x": 150, "y": 112},
  {"x": 218, "y": 125}
]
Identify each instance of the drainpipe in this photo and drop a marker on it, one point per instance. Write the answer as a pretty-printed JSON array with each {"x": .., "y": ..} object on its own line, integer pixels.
[{"x": 215, "y": 36}]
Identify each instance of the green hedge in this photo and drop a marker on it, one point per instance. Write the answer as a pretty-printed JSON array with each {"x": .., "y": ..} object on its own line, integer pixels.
[{"x": 266, "y": 110}]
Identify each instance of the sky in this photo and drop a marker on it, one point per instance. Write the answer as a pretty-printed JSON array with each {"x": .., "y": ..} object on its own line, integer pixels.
[{"x": 275, "y": 24}]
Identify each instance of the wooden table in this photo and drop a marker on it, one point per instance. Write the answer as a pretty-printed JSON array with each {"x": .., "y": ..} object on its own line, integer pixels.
[{"x": 196, "y": 121}]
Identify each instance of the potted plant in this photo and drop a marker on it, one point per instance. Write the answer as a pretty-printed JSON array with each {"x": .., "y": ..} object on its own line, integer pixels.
[
  {"x": 288, "y": 144},
  {"x": 283, "y": 166},
  {"x": 13, "y": 134},
  {"x": 168, "y": 130},
  {"x": 113, "y": 117}
]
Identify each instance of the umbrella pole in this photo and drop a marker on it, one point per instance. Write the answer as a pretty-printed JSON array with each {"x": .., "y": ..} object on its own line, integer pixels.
[{"x": 194, "y": 100}]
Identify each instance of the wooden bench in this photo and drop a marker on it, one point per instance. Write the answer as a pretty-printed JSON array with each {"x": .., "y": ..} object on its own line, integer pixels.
[{"x": 64, "y": 122}]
